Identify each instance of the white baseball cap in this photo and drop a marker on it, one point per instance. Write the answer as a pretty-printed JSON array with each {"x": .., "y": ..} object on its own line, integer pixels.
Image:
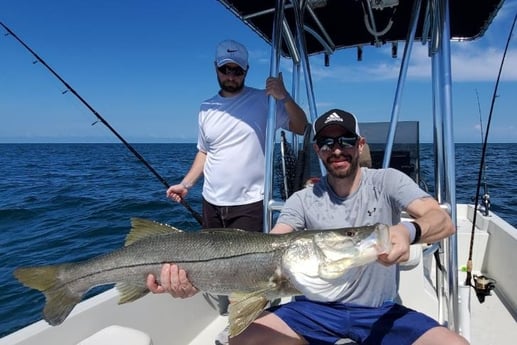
[{"x": 231, "y": 51}]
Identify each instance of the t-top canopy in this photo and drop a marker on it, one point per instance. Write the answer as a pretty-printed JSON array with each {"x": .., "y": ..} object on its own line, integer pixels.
[{"x": 337, "y": 24}]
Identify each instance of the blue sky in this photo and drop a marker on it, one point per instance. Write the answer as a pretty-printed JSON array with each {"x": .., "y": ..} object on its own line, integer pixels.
[{"x": 145, "y": 66}]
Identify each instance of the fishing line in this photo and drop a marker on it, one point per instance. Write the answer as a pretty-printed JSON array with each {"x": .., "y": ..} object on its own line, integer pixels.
[
  {"x": 468, "y": 280},
  {"x": 101, "y": 119}
]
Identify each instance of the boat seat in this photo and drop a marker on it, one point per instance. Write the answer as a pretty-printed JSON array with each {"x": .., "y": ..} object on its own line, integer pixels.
[{"x": 115, "y": 335}]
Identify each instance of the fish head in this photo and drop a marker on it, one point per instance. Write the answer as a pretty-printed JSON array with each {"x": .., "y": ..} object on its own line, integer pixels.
[
  {"x": 341, "y": 249},
  {"x": 334, "y": 245},
  {"x": 323, "y": 264},
  {"x": 317, "y": 262}
]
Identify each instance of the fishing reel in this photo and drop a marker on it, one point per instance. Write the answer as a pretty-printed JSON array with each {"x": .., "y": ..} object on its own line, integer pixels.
[
  {"x": 483, "y": 285},
  {"x": 485, "y": 201}
]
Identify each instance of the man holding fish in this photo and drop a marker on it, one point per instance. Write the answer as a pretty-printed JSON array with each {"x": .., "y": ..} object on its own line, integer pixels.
[{"x": 360, "y": 304}]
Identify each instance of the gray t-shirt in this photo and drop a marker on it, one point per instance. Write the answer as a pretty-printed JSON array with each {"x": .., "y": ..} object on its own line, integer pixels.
[{"x": 380, "y": 198}]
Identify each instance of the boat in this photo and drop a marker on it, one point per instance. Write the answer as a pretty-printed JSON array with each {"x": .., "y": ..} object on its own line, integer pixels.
[{"x": 478, "y": 301}]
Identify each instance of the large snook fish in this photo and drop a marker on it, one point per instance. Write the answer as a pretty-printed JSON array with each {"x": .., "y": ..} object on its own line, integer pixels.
[{"x": 251, "y": 267}]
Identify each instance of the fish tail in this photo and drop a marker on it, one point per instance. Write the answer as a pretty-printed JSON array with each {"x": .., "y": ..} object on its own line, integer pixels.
[{"x": 60, "y": 299}]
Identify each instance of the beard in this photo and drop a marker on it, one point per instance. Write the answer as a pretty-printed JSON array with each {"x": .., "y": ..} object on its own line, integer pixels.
[
  {"x": 341, "y": 173},
  {"x": 231, "y": 86}
]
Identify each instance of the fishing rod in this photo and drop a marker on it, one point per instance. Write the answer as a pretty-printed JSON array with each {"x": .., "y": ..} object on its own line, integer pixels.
[
  {"x": 101, "y": 119},
  {"x": 480, "y": 117},
  {"x": 486, "y": 196},
  {"x": 483, "y": 285}
]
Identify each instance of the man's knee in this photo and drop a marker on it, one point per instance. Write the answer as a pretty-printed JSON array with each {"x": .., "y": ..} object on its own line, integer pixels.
[{"x": 441, "y": 335}]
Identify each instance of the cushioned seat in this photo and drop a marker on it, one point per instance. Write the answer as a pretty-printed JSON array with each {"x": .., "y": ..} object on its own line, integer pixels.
[{"x": 115, "y": 335}]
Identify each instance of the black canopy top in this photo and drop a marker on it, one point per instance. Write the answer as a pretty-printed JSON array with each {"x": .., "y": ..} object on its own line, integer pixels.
[{"x": 348, "y": 23}]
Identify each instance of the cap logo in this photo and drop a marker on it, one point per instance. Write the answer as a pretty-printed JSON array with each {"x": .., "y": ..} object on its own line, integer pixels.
[
  {"x": 333, "y": 117},
  {"x": 231, "y": 51}
]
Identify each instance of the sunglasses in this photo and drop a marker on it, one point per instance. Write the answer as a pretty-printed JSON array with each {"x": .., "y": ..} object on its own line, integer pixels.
[
  {"x": 327, "y": 143},
  {"x": 228, "y": 70}
]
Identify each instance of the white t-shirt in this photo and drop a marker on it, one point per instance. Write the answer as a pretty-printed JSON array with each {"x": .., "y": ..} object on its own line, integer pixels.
[{"x": 232, "y": 132}]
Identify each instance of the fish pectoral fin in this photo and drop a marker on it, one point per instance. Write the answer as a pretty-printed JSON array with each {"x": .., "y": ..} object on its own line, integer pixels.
[
  {"x": 244, "y": 310},
  {"x": 130, "y": 293}
]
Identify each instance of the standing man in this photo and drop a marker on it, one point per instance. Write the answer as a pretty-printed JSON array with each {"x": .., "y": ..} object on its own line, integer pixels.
[
  {"x": 360, "y": 305},
  {"x": 231, "y": 143}
]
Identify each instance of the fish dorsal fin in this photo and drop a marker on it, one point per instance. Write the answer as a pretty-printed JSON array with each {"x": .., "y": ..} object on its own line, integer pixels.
[{"x": 143, "y": 228}]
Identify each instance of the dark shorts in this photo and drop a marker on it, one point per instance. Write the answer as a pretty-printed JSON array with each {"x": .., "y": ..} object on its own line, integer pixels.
[
  {"x": 333, "y": 323},
  {"x": 248, "y": 217}
]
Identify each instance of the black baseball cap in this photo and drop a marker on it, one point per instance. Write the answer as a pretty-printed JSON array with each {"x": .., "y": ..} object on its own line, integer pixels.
[{"x": 337, "y": 117}]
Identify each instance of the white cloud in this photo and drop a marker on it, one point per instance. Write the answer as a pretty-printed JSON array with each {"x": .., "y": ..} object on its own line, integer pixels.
[{"x": 476, "y": 60}]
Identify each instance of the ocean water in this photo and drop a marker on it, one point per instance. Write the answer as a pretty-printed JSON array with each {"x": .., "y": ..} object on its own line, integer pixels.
[{"x": 68, "y": 202}]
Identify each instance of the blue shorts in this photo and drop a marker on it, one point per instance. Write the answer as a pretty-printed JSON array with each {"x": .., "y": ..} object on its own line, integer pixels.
[{"x": 328, "y": 323}]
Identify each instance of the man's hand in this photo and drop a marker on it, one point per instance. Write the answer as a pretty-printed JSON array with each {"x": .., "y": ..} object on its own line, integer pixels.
[
  {"x": 172, "y": 280},
  {"x": 177, "y": 192},
  {"x": 399, "y": 237},
  {"x": 275, "y": 87}
]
